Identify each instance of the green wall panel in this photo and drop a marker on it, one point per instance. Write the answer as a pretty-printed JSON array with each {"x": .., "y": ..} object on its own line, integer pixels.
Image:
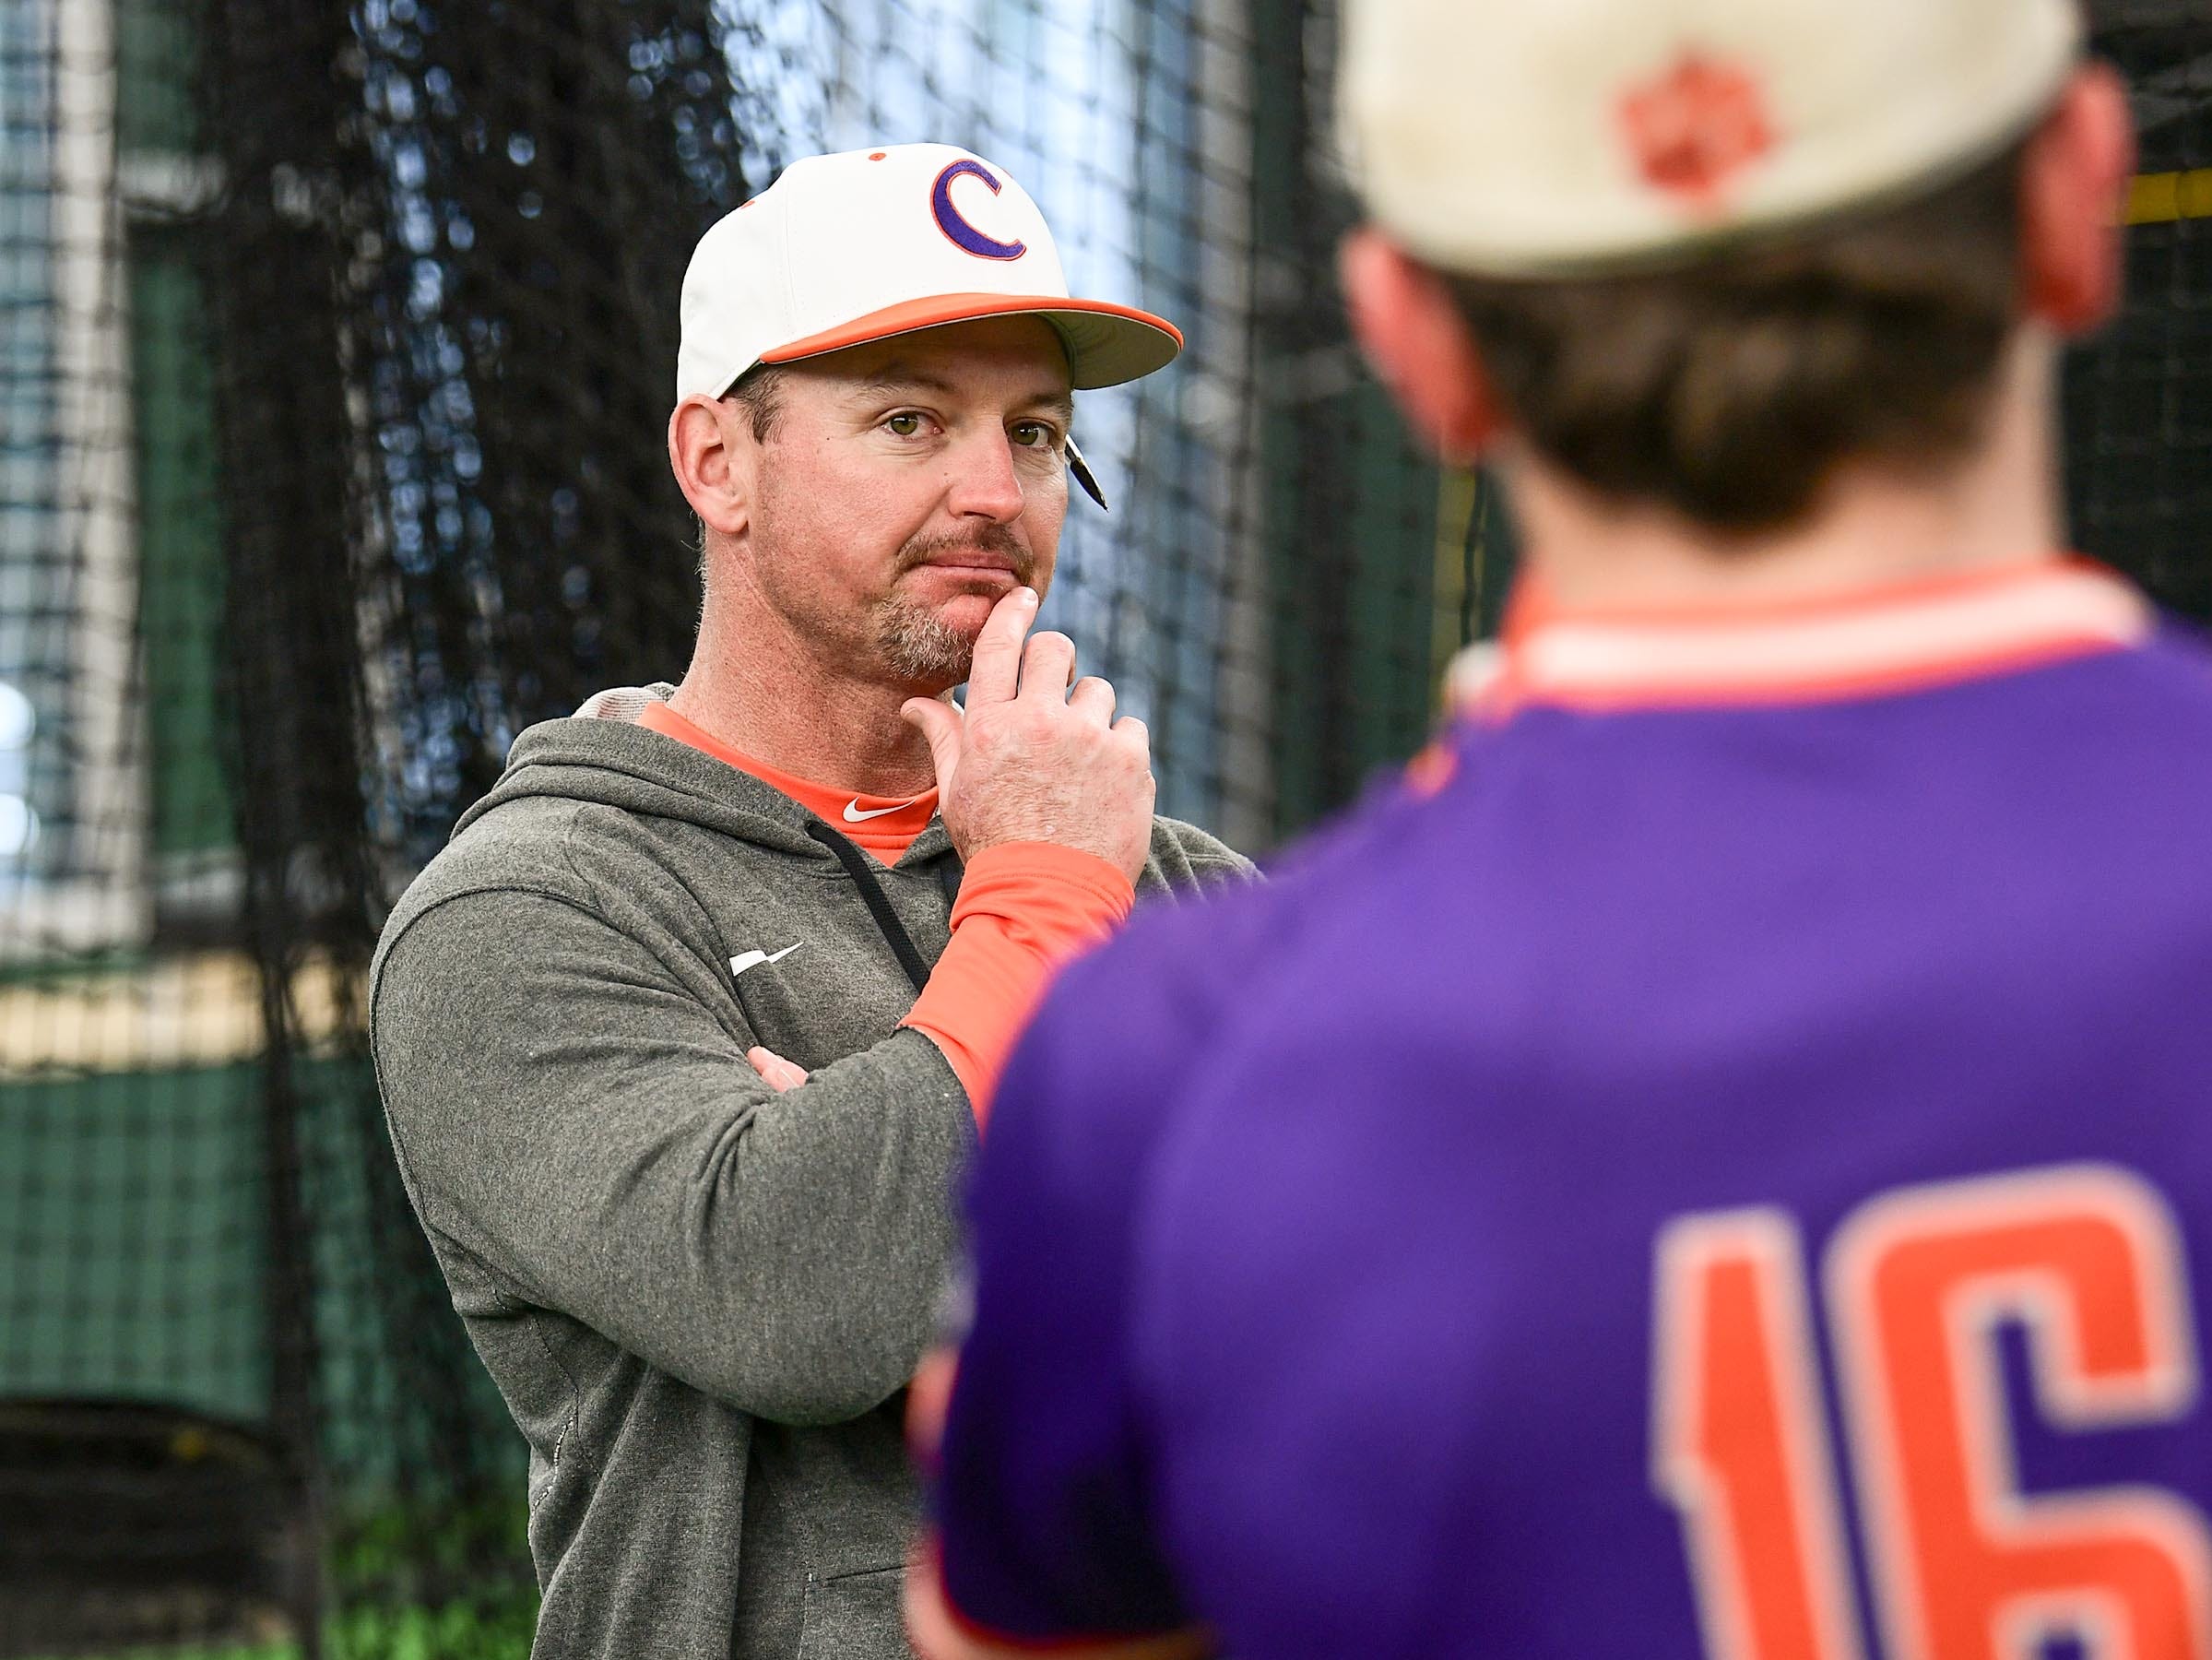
[{"x": 131, "y": 1239}]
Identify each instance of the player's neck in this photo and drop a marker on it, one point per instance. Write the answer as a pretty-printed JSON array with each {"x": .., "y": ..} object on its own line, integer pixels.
[
  {"x": 767, "y": 694},
  {"x": 2000, "y": 507}
]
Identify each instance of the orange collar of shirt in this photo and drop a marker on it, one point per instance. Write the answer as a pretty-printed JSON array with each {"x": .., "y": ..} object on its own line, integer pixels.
[{"x": 885, "y": 826}]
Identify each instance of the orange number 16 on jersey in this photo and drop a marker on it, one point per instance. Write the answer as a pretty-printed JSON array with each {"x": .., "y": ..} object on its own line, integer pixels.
[{"x": 2087, "y": 1260}]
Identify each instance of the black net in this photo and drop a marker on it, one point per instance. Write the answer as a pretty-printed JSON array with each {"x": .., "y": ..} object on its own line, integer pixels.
[
  {"x": 335, "y": 353},
  {"x": 2139, "y": 399}
]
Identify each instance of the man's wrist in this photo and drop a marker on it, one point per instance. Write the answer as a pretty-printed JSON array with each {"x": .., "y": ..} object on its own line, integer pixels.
[{"x": 1009, "y": 870}]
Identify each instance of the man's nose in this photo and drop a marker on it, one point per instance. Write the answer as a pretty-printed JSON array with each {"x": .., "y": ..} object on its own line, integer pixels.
[{"x": 984, "y": 483}]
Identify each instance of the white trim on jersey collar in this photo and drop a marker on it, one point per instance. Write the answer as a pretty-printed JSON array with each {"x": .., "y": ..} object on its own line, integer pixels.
[{"x": 1884, "y": 640}]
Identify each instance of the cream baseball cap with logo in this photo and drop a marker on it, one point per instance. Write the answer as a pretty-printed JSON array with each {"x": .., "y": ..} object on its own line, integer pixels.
[
  {"x": 862, "y": 245},
  {"x": 1551, "y": 137}
]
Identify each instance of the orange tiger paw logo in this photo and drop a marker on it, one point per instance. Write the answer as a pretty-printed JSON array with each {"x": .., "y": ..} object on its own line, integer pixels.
[{"x": 1695, "y": 129}]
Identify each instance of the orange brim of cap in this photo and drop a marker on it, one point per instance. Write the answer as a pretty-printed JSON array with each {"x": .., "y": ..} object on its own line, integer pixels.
[{"x": 1107, "y": 344}]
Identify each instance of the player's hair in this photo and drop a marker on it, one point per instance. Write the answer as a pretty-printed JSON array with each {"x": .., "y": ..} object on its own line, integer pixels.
[{"x": 1730, "y": 391}]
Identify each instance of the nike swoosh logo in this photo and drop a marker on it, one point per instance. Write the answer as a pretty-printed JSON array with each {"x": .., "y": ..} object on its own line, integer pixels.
[
  {"x": 753, "y": 959},
  {"x": 853, "y": 815}
]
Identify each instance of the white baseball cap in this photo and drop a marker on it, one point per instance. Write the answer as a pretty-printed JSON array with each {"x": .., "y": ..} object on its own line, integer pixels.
[
  {"x": 865, "y": 244},
  {"x": 1553, "y": 138}
]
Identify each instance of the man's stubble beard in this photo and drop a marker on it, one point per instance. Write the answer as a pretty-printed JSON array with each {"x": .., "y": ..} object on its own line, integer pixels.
[
  {"x": 910, "y": 643},
  {"x": 918, "y": 647}
]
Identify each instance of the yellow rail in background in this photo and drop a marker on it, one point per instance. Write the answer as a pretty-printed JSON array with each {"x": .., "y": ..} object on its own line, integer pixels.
[
  {"x": 2163, "y": 198},
  {"x": 1458, "y": 501},
  {"x": 202, "y": 1009}
]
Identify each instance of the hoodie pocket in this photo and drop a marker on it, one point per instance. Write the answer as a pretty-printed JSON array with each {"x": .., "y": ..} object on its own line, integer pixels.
[{"x": 854, "y": 1616}]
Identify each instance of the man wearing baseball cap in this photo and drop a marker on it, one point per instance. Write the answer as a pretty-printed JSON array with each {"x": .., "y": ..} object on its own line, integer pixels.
[
  {"x": 684, "y": 1035},
  {"x": 1720, "y": 1160}
]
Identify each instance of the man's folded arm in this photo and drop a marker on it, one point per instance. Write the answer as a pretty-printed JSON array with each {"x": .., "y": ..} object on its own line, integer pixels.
[{"x": 570, "y": 1114}]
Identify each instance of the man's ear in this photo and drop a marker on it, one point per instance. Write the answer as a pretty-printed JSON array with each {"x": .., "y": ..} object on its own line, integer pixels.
[
  {"x": 2073, "y": 200},
  {"x": 711, "y": 456},
  {"x": 1410, "y": 329}
]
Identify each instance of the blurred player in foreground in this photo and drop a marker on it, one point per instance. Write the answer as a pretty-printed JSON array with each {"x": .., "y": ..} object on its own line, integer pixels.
[{"x": 1723, "y": 1158}]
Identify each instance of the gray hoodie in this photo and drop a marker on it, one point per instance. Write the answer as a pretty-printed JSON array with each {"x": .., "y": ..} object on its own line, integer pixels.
[{"x": 701, "y": 1300}]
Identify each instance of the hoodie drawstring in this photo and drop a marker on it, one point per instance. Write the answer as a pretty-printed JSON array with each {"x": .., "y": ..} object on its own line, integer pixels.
[{"x": 879, "y": 903}]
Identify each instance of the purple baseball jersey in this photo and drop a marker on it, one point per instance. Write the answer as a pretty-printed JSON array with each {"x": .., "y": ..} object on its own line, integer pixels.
[{"x": 1722, "y": 1165}]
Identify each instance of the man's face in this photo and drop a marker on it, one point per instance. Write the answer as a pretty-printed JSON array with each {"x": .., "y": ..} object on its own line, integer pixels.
[{"x": 906, "y": 486}]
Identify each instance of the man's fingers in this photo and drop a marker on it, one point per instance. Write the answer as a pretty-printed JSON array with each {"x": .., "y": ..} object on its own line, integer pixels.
[
  {"x": 997, "y": 669},
  {"x": 1094, "y": 700},
  {"x": 778, "y": 1073},
  {"x": 1048, "y": 664},
  {"x": 941, "y": 724},
  {"x": 1135, "y": 730}
]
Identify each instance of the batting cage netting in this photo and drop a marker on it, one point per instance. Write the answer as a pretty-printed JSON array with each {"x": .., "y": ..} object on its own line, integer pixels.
[{"x": 335, "y": 355}]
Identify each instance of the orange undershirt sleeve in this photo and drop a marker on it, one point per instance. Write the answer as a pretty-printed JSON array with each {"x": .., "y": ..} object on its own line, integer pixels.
[{"x": 1025, "y": 909}]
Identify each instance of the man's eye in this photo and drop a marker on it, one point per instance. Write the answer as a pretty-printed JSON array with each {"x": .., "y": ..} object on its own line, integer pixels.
[
  {"x": 905, "y": 425},
  {"x": 1033, "y": 434}
]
